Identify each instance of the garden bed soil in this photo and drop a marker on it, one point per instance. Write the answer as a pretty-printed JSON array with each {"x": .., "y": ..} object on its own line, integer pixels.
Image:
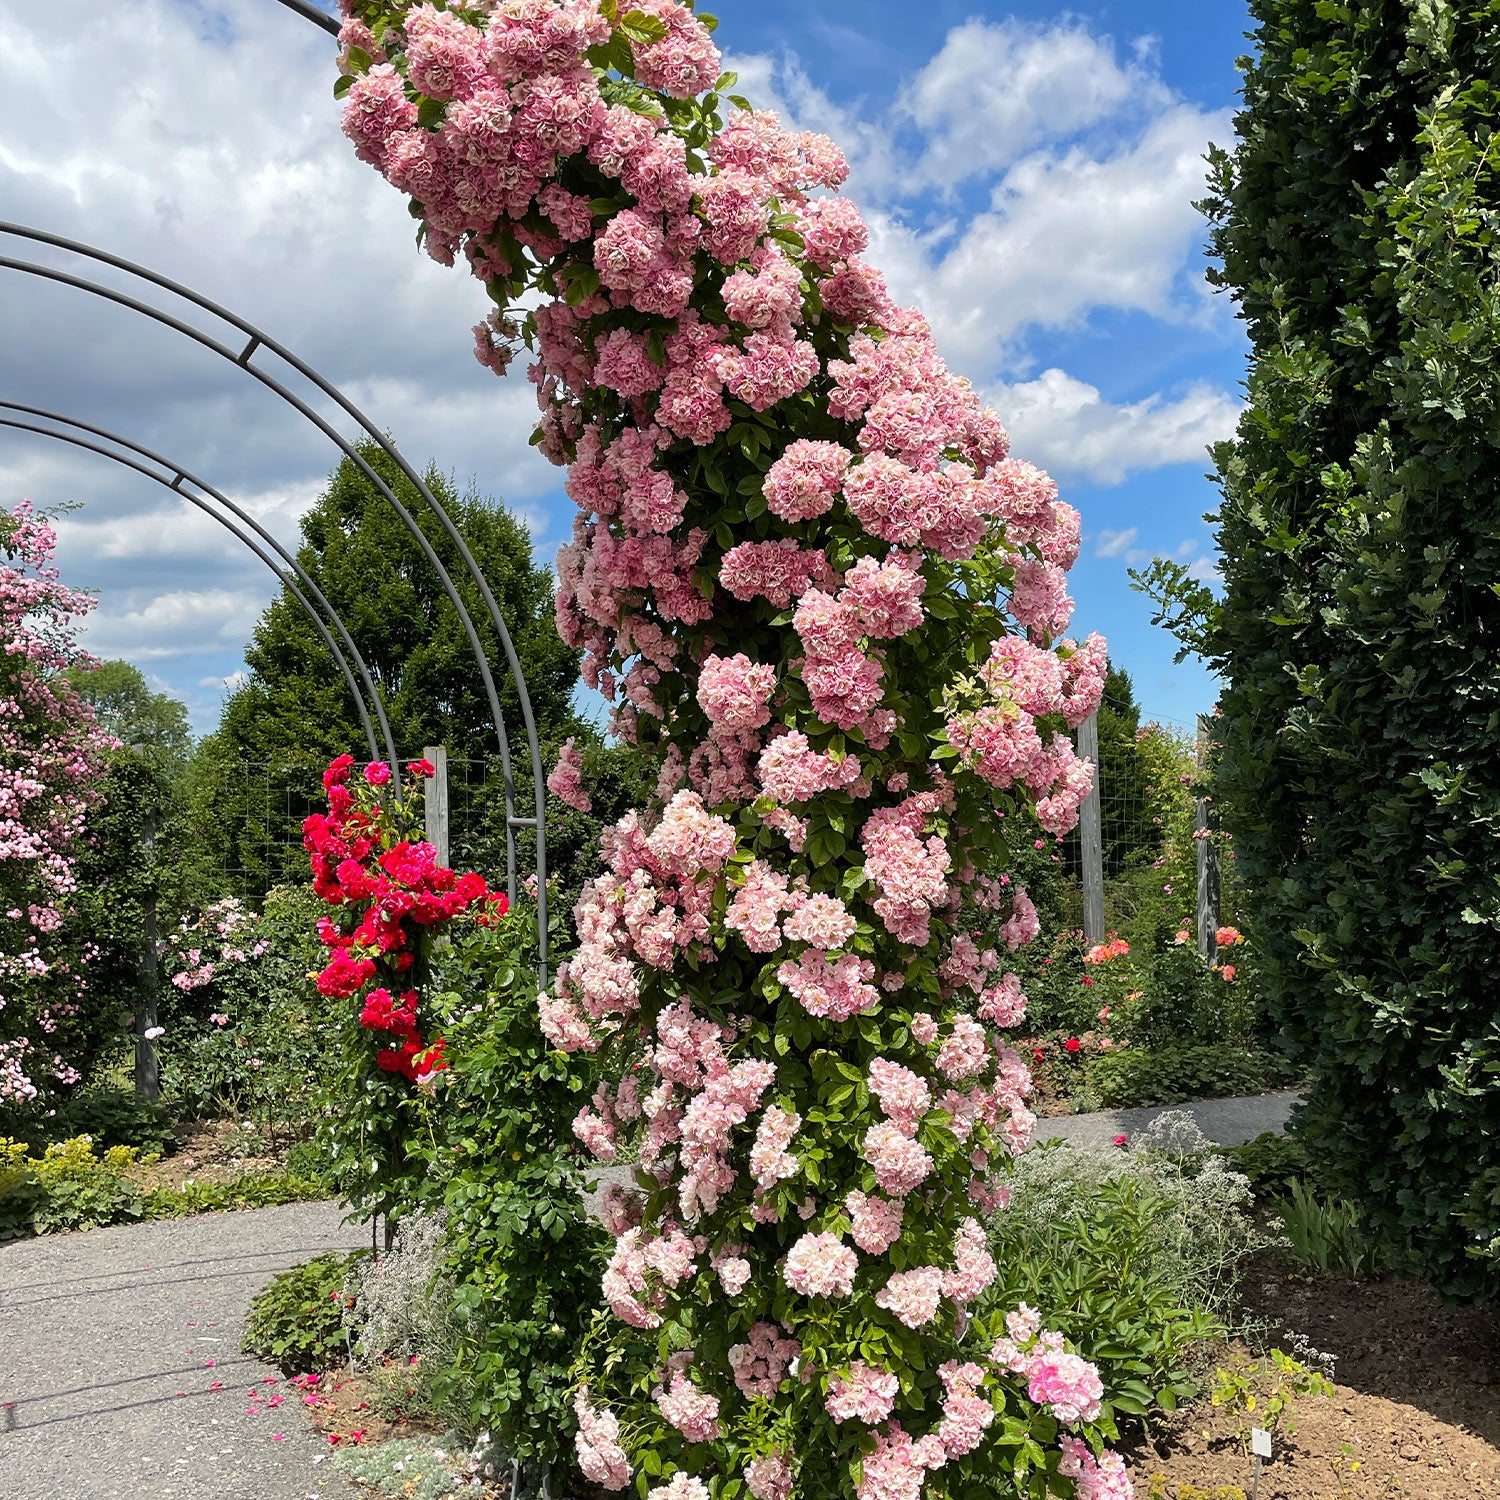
[
  {"x": 1415, "y": 1410},
  {"x": 216, "y": 1151},
  {"x": 355, "y": 1408},
  {"x": 1347, "y": 1446},
  {"x": 1392, "y": 1339}
]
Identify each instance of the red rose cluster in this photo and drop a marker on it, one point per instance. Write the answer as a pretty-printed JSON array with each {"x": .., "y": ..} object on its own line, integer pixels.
[{"x": 399, "y": 894}]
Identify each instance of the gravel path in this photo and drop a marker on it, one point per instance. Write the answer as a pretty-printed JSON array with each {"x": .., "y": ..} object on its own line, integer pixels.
[
  {"x": 111, "y": 1343},
  {"x": 1226, "y": 1122}
]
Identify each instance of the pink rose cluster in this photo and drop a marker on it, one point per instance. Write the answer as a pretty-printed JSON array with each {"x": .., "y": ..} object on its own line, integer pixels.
[{"x": 828, "y": 610}]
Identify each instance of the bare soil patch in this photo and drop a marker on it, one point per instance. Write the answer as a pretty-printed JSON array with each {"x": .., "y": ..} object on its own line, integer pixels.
[
  {"x": 1415, "y": 1410},
  {"x": 1393, "y": 1339},
  {"x": 213, "y": 1151},
  {"x": 363, "y": 1408},
  {"x": 1347, "y": 1446}
]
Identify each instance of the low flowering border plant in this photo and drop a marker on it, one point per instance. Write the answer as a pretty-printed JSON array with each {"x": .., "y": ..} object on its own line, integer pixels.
[
  {"x": 831, "y": 613},
  {"x": 394, "y": 900}
]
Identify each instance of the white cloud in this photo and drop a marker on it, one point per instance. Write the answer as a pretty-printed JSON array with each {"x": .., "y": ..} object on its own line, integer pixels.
[
  {"x": 1067, "y": 233},
  {"x": 999, "y": 89},
  {"x": 1066, "y": 426},
  {"x": 174, "y": 623},
  {"x": 176, "y": 530},
  {"x": 1114, "y": 543}
]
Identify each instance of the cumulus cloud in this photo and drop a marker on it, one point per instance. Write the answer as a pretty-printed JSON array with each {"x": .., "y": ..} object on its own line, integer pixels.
[
  {"x": 1000, "y": 88},
  {"x": 174, "y": 623},
  {"x": 1066, "y": 233},
  {"x": 1067, "y": 426},
  {"x": 1093, "y": 167}
]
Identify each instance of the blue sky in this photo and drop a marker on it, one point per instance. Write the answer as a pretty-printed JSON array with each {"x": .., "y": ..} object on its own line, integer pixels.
[{"x": 1028, "y": 169}]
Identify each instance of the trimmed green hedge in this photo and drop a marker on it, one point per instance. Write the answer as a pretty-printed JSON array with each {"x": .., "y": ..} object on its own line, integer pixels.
[{"x": 1359, "y": 630}]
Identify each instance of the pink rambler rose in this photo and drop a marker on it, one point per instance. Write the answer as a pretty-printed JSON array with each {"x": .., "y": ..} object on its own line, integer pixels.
[
  {"x": 867, "y": 1394},
  {"x": 1066, "y": 1384},
  {"x": 820, "y": 1265}
]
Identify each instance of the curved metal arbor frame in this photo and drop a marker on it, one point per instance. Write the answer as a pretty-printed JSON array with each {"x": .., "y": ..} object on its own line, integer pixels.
[
  {"x": 258, "y": 340},
  {"x": 310, "y": 12},
  {"x": 291, "y": 574}
]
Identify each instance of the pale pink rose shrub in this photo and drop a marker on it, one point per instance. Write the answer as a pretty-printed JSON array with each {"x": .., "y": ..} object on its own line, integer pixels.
[
  {"x": 829, "y": 610},
  {"x": 51, "y": 761}
]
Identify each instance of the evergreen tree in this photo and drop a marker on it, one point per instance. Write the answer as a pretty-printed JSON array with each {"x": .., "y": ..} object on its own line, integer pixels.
[
  {"x": 1356, "y": 225},
  {"x": 256, "y": 777}
]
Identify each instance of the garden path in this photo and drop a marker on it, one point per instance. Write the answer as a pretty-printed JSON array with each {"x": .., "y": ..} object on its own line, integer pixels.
[
  {"x": 112, "y": 1344},
  {"x": 1226, "y": 1122}
]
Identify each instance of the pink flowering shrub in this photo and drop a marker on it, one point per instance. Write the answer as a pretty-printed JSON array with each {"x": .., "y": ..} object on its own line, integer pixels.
[
  {"x": 51, "y": 762},
  {"x": 830, "y": 611}
]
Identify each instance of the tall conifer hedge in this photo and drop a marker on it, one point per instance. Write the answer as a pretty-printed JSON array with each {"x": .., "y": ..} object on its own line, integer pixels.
[{"x": 1359, "y": 629}]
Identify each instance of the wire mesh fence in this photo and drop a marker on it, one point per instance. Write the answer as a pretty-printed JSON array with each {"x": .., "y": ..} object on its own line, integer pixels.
[
  {"x": 1148, "y": 823},
  {"x": 261, "y": 838},
  {"x": 1146, "y": 849}
]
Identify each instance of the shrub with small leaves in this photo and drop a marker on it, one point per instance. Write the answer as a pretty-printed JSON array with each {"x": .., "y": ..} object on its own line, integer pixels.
[
  {"x": 110, "y": 1117},
  {"x": 296, "y": 1322},
  {"x": 1136, "y": 1254},
  {"x": 1158, "y": 1489},
  {"x": 1267, "y": 1392},
  {"x": 1355, "y": 227},
  {"x": 1271, "y": 1163},
  {"x": 412, "y": 1468}
]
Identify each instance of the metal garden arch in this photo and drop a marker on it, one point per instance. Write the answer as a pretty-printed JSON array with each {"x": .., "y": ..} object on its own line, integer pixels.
[
  {"x": 292, "y": 575},
  {"x": 257, "y": 340}
]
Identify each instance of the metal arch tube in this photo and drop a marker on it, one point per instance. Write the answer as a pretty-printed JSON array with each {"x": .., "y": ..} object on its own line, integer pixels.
[
  {"x": 311, "y": 13},
  {"x": 65, "y": 278},
  {"x": 265, "y": 557},
  {"x": 309, "y": 584},
  {"x": 539, "y": 786},
  {"x": 260, "y": 340}
]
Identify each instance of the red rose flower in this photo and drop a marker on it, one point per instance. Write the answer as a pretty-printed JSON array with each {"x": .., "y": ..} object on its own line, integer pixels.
[
  {"x": 344, "y": 975},
  {"x": 338, "y": 772},
  {"x": 1072, "y": 1044}
]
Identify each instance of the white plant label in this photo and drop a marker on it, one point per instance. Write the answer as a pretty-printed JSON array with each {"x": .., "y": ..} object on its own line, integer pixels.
[{"x": 1260, "y": 1442}]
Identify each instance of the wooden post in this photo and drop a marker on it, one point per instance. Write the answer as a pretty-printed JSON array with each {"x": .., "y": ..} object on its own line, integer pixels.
[
  {"x": 1091, "y": 834},
  {"x": 147, "y": 1065},
  {"x": 435, "y": 807},
  {"x": 1208, "y": 863}
]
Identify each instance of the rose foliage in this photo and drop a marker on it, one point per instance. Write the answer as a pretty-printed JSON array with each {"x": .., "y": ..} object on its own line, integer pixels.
[
  {"x": 830, "y": 612},
  {"x": 51, "y": 758}
]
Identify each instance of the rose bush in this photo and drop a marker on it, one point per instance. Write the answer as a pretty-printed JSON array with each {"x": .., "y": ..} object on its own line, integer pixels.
[
  {"x": 245, "y": 1032},
  {"x": 51, "y": 757},
  {"x": 830, "y": 611},
  {"x": 393, "y": 900}
]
